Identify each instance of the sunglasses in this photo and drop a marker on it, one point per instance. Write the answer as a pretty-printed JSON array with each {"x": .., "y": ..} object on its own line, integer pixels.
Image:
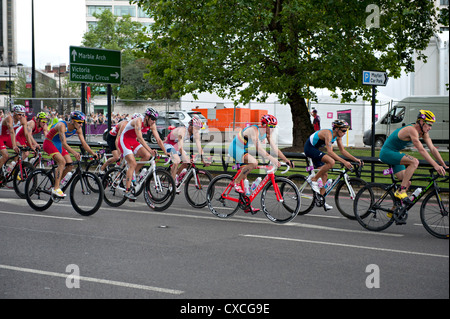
[
  {"x": 344, "y": 131},
  {"x": 429, "y": 123},
  {"x": 271, "y": 126},
  {"x": 20, "y": 114},
  {"x": 78, "y": 121},
  {"x": 44, "y": 121}
]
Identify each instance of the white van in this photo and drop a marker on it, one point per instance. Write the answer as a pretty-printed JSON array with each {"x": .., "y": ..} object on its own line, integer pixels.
[{"x": 405, "y": 112}]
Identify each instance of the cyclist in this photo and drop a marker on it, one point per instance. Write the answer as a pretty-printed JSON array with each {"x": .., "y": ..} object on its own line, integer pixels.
[
  {"x": 35, "y": 126},
  {"x": 238, "y": 148},
  {"x": 112, "y": 140},
  {"x": 8, "y": 128},
  {"x": 174, "y": 141},
  {"x": 131, "y": 142},
  {"x": 55, "y": 145},
  {"x": 404, "y": 165},
  {"x": 325, "y": 161}
]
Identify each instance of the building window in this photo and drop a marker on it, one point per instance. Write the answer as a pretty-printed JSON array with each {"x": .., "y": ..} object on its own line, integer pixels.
[
  {"x": 97, "y": 9},
  {"x": 124, "y": 10},
  {"x": 444, "y": 2}
]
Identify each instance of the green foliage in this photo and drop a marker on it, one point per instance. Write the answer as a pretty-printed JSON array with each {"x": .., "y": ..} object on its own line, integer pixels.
[{"x": 247, "y": 49}]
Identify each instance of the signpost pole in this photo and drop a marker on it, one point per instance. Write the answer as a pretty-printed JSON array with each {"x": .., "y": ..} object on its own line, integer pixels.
[
  {"x": 83, "y": 105},
  {"x": 109, "y": 89},
  {"x": 374, "y": 90}
]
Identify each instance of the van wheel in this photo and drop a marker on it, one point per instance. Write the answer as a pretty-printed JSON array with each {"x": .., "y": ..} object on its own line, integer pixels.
[{"x": 379, "y": 141}]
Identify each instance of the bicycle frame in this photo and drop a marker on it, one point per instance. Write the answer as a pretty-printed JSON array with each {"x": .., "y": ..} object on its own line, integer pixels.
[{"x": 270, "y": 176}]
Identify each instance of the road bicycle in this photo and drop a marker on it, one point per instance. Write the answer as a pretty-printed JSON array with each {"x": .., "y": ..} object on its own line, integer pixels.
[
  {"x": 376, "y": 208},
  {"x": 280, "y": 198},
  {"x": 195, "y": 183},
  {"x": 86, "y": 191},
  {"x": 345, "y": 189},
  {"x": 20, "y": 172},
  {"x": 158, "y": 186}
]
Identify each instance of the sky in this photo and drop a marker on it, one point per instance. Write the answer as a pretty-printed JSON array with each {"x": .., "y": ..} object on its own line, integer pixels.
[{"x": 58, "y": 24}]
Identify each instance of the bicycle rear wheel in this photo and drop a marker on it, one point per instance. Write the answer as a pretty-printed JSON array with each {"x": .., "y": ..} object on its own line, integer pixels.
[
  {"x": 20, "y": 177},
  {"x": 196, "y": 187},
  {"x": 344, "y": 195},
  {"x": 86, "y": 193},
  {"x": 306, "y": 193},
  {"x": 38, "y": 189},
  {"x": 114, "y": 185},
  {"x": 434, "y": 214},
  {"x": 159, "y": 190},
  {"x": 287, "y": 207},
  {"x": 222, "y": 200},
  {"x": 374, "y": 207}
]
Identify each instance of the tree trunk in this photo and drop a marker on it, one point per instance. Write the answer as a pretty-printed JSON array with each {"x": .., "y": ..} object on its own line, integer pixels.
[{"x": 302, "y": 126}]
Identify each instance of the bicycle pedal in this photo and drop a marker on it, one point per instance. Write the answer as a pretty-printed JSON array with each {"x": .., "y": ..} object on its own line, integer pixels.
[{"x": 131, "y": 200}]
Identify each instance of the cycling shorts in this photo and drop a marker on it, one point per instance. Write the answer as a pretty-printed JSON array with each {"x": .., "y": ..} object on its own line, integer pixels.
[
  {"x": 314, "y": 153},
  {"x": 391, "y": 157},
  {"x": 111, "y": 141},
  {"x": 172, "y": 149},
  {"x": 53, "y": 148},
  {"x": 128, "y": 146},
  {"x": 5, "y": 142}
]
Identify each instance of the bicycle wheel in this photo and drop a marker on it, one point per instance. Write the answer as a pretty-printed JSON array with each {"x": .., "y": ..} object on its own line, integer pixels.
[
  {"x": 19, "y": 178},
  {"x": 344, "y": 195},
  {"x": 306, "y": 193},
  {"x": 38, "y": 189},
  {"x": 159, "y": 191},
  {"x": 196, "y": 187},
  {"x": 86, "y": 193},
  {"x": 284, "y": 209},
  {"x": 434, "y": 214},
  {"x": 114, "y": 185},
  {"x": 374, "y": 207},
  {"x": 222, "y": 200}
]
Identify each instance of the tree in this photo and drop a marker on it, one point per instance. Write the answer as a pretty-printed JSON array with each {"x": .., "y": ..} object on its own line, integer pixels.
[
  {"x": 122, "y": 34},
  {"x": 248, "y": 49}
]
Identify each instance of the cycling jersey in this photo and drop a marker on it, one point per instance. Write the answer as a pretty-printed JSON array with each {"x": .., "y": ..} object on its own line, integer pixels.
[
  {"x": 128, "y": 144},
  {"x": 5, "y": 136},
  {"x": 20, "y": 133},
  {"x": 52, "y": 143},
  {"x": 171, "y": 142},
  {"x": 390, "y": 152},
  {"x": 239, "y": 146},
  {"x": 312, "y": 145}
]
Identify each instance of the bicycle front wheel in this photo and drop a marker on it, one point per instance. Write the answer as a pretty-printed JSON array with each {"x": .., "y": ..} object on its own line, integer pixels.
[
  {"x": 159, "y": 190},
  {"x": 306, "y": 193},
  {"x": 222, "y": 200},
  {"x": 434, "y": 214},
  {"x": 196, "y": 187},
  {"x": 281, "y": 201},
  {"x": 38, "y": 189},
  {"x": 114, "y": 185},
  {"x": 20, "y": 177},
  {"x": 345, "y": 195},
  {"x": 86, "y": 193},
  {"x": 374, "y": 207}
]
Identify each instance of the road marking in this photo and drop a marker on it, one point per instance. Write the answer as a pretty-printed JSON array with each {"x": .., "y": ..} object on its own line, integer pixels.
[
  {"x": 345, "y": 245},
  {"x": 43, "y": 216},
  {"x": 95, "y": 280}
]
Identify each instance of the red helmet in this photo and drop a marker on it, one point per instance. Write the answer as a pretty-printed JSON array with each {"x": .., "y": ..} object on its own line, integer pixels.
[{"x": 268, "y": 119}]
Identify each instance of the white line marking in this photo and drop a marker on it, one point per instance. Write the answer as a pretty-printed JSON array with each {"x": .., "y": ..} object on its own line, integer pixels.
[
  {"x": 43, "y": 216},
  {"x": 96, "y": 280},
  {"x": 346, "y": 245}
]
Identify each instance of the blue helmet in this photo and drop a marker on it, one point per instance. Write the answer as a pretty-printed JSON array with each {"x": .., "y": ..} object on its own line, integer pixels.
[{"x": 78, "y": 116}]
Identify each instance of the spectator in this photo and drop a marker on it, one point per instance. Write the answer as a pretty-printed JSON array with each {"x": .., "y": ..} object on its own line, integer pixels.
[{"x": 316, "y": 120}]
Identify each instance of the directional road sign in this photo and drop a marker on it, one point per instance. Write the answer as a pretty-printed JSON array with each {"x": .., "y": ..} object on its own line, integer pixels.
[
  {"x": 91, "y": 65},
  {"x": 375, "y": 78}
]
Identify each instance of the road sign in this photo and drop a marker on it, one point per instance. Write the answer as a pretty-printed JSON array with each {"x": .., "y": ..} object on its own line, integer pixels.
[
  {"x": 91, "y": 65},
  {"x": 375, "y": 78}
]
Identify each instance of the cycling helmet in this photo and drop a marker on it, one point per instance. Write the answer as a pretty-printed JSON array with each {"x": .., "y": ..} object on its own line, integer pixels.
[
  {"x": 339, "y": 124},
  {"x": 41, "y": 116},
  {"x": 78, "y": 116},
  {"x": 268, "y": 119},
  {"x": 135, "y": 115},
  {"x": 18, "y": 108},
  {"x": 426, "y": 115},
  {"x": 196, "y": 121},
  {"x": 152, "y": 113}
]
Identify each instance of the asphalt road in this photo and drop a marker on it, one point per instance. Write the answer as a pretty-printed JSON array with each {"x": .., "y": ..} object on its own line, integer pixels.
[{"x": 187, "y": 253}]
